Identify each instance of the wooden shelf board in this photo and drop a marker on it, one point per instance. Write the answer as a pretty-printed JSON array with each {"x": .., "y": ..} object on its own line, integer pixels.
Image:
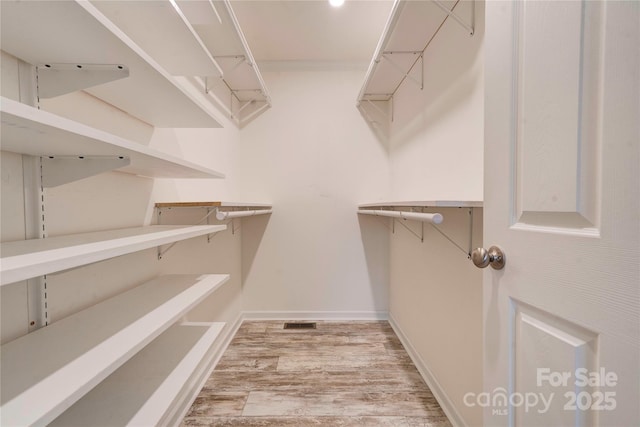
[
  {"x": 71, "y": 32},
  {"x": 83, "y": 349},
  {"x": 30, "y": 258},
  {"x": 212, "y": 204},
  {"x": 426, "y": 204},
  {"x": 27, "y": 130},
  {"x": 149, "y": 382}
]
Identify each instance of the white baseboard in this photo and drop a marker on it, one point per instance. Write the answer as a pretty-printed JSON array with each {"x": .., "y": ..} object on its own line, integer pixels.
[
  {"x": 445, "y": 403},
  {"x": 217, "y": 350},
  {"x": 315, "y": 315}
]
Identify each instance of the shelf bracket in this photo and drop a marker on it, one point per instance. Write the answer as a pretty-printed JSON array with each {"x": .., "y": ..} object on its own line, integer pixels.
[
  {"x": 452, "y": 14},
  {"x": 58, "y": 170},
  {"x": 59, "y": 79},
  {"x": 419, "y": 236},
  {"x": 405, "y": 74},
  {"x": 467, "y": 251},
  {"x": 380, "y": 110},
  {"x": 162, "y": 252}
]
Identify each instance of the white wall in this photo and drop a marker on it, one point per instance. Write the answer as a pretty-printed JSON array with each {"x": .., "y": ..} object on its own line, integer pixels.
[
  {"x": 436, "y": 153},
  {"x": 315, "y": 159}
]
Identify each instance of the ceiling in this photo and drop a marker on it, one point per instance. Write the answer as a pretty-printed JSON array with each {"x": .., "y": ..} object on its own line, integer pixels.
[{"x": 312, "y": 30}]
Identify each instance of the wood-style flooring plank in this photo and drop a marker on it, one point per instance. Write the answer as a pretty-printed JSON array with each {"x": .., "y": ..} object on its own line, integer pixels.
[
  {"x": 341, "y": 374},
  {"x": 346, "y": 404},
  {"x": 298, "y": 421},
  {"x": 400, "y": 380}
]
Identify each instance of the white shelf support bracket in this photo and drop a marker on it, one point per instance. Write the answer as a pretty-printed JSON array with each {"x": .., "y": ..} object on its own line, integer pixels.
[
  {"x": 380, "y": 110},
  {"x": 405, "y": 74},
  {"x": 419, "y": 236},
  {"x": 234, "y": 228},
  {"x": 467, "y": 251},
  {"x": 58, "y": 170},
  {"x": 454, "y": 16},
  {"x": 59, "y": 79},
  {"x": 253, "y": 114},
  {"x": 162, "y": 252}
]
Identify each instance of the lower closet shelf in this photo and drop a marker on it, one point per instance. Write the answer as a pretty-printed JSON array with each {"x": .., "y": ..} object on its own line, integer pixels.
[
  {"x": 147, "y": 389},
  {"x": 35, "y": 257},
  {"x": 47, "y": 371}
]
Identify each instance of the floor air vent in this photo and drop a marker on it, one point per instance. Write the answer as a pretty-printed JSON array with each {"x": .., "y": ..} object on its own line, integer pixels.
[{"x": 300, "y": 325}]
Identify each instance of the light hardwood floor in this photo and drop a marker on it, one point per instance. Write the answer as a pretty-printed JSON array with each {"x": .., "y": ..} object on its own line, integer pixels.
[{"x": 342, "y": 374}]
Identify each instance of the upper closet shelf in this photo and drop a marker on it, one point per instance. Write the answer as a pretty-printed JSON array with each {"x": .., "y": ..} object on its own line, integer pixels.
[
  {"x": 47, "y": 371},
  {"x": 241, "y": 92},
  {"x": 213, "y": 205},
  {"x": 171, "y": 40},
  {"x": 74, "y": 37},
  {"x": 411, "y": 27},
  {"x": 426, "y": 204},
  {"x": 27, "y": 130},
  {"x": 200, "y": 41},
  {"x": 30, "y": 258}
]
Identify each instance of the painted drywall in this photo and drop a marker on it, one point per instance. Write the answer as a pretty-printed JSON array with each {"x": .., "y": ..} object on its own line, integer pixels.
[
  {"x": 315, "y": 159},
  {"x": 436, "y": 153},
  {"x": 434, "y": 301}
]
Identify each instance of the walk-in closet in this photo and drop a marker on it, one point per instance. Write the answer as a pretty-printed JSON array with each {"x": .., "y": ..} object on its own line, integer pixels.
[{"x": 313, "y": 212}]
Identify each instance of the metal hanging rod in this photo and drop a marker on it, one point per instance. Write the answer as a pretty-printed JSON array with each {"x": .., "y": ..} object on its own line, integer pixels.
[
  {"x": 222, "y": 215},
  {"x": 434, "y": 218}
]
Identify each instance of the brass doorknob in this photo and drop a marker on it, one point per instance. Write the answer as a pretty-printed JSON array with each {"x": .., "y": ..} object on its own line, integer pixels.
[{"x": 493, "y": 257}]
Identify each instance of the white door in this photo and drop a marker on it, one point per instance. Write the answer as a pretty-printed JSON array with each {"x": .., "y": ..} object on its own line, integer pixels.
[{"x": 561, "y": 320}]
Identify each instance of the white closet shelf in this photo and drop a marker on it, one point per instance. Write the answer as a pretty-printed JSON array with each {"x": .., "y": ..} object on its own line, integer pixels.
[
  {"x": 425, "y": 204},
  {"x": 172, "y": 41},
  {"x": 160, "y": 372},
  {"x": 83, "y": 349},
  {"x": 27, "y": 130},
  {"x": 30, "y": 258},
  {"x": 76, "y": 32},
  {"x": 214, "y": 204},
  {"x": 241, "y": 92},
  {"x": 399, "y": 56}
]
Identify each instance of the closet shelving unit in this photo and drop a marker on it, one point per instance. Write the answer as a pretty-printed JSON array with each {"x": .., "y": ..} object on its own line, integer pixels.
[
  {"x": 65, "y": 144},
  {"x": 399, "y": 56},
  {"x": 200, "y": 42},
  {"x": 402, "y": 211},
  {"x": 241, "y": 91},
  {"x": 47, "y": 371},
  {"x": 32, "y": 32},
  {"x": 74, "y": 46}
]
